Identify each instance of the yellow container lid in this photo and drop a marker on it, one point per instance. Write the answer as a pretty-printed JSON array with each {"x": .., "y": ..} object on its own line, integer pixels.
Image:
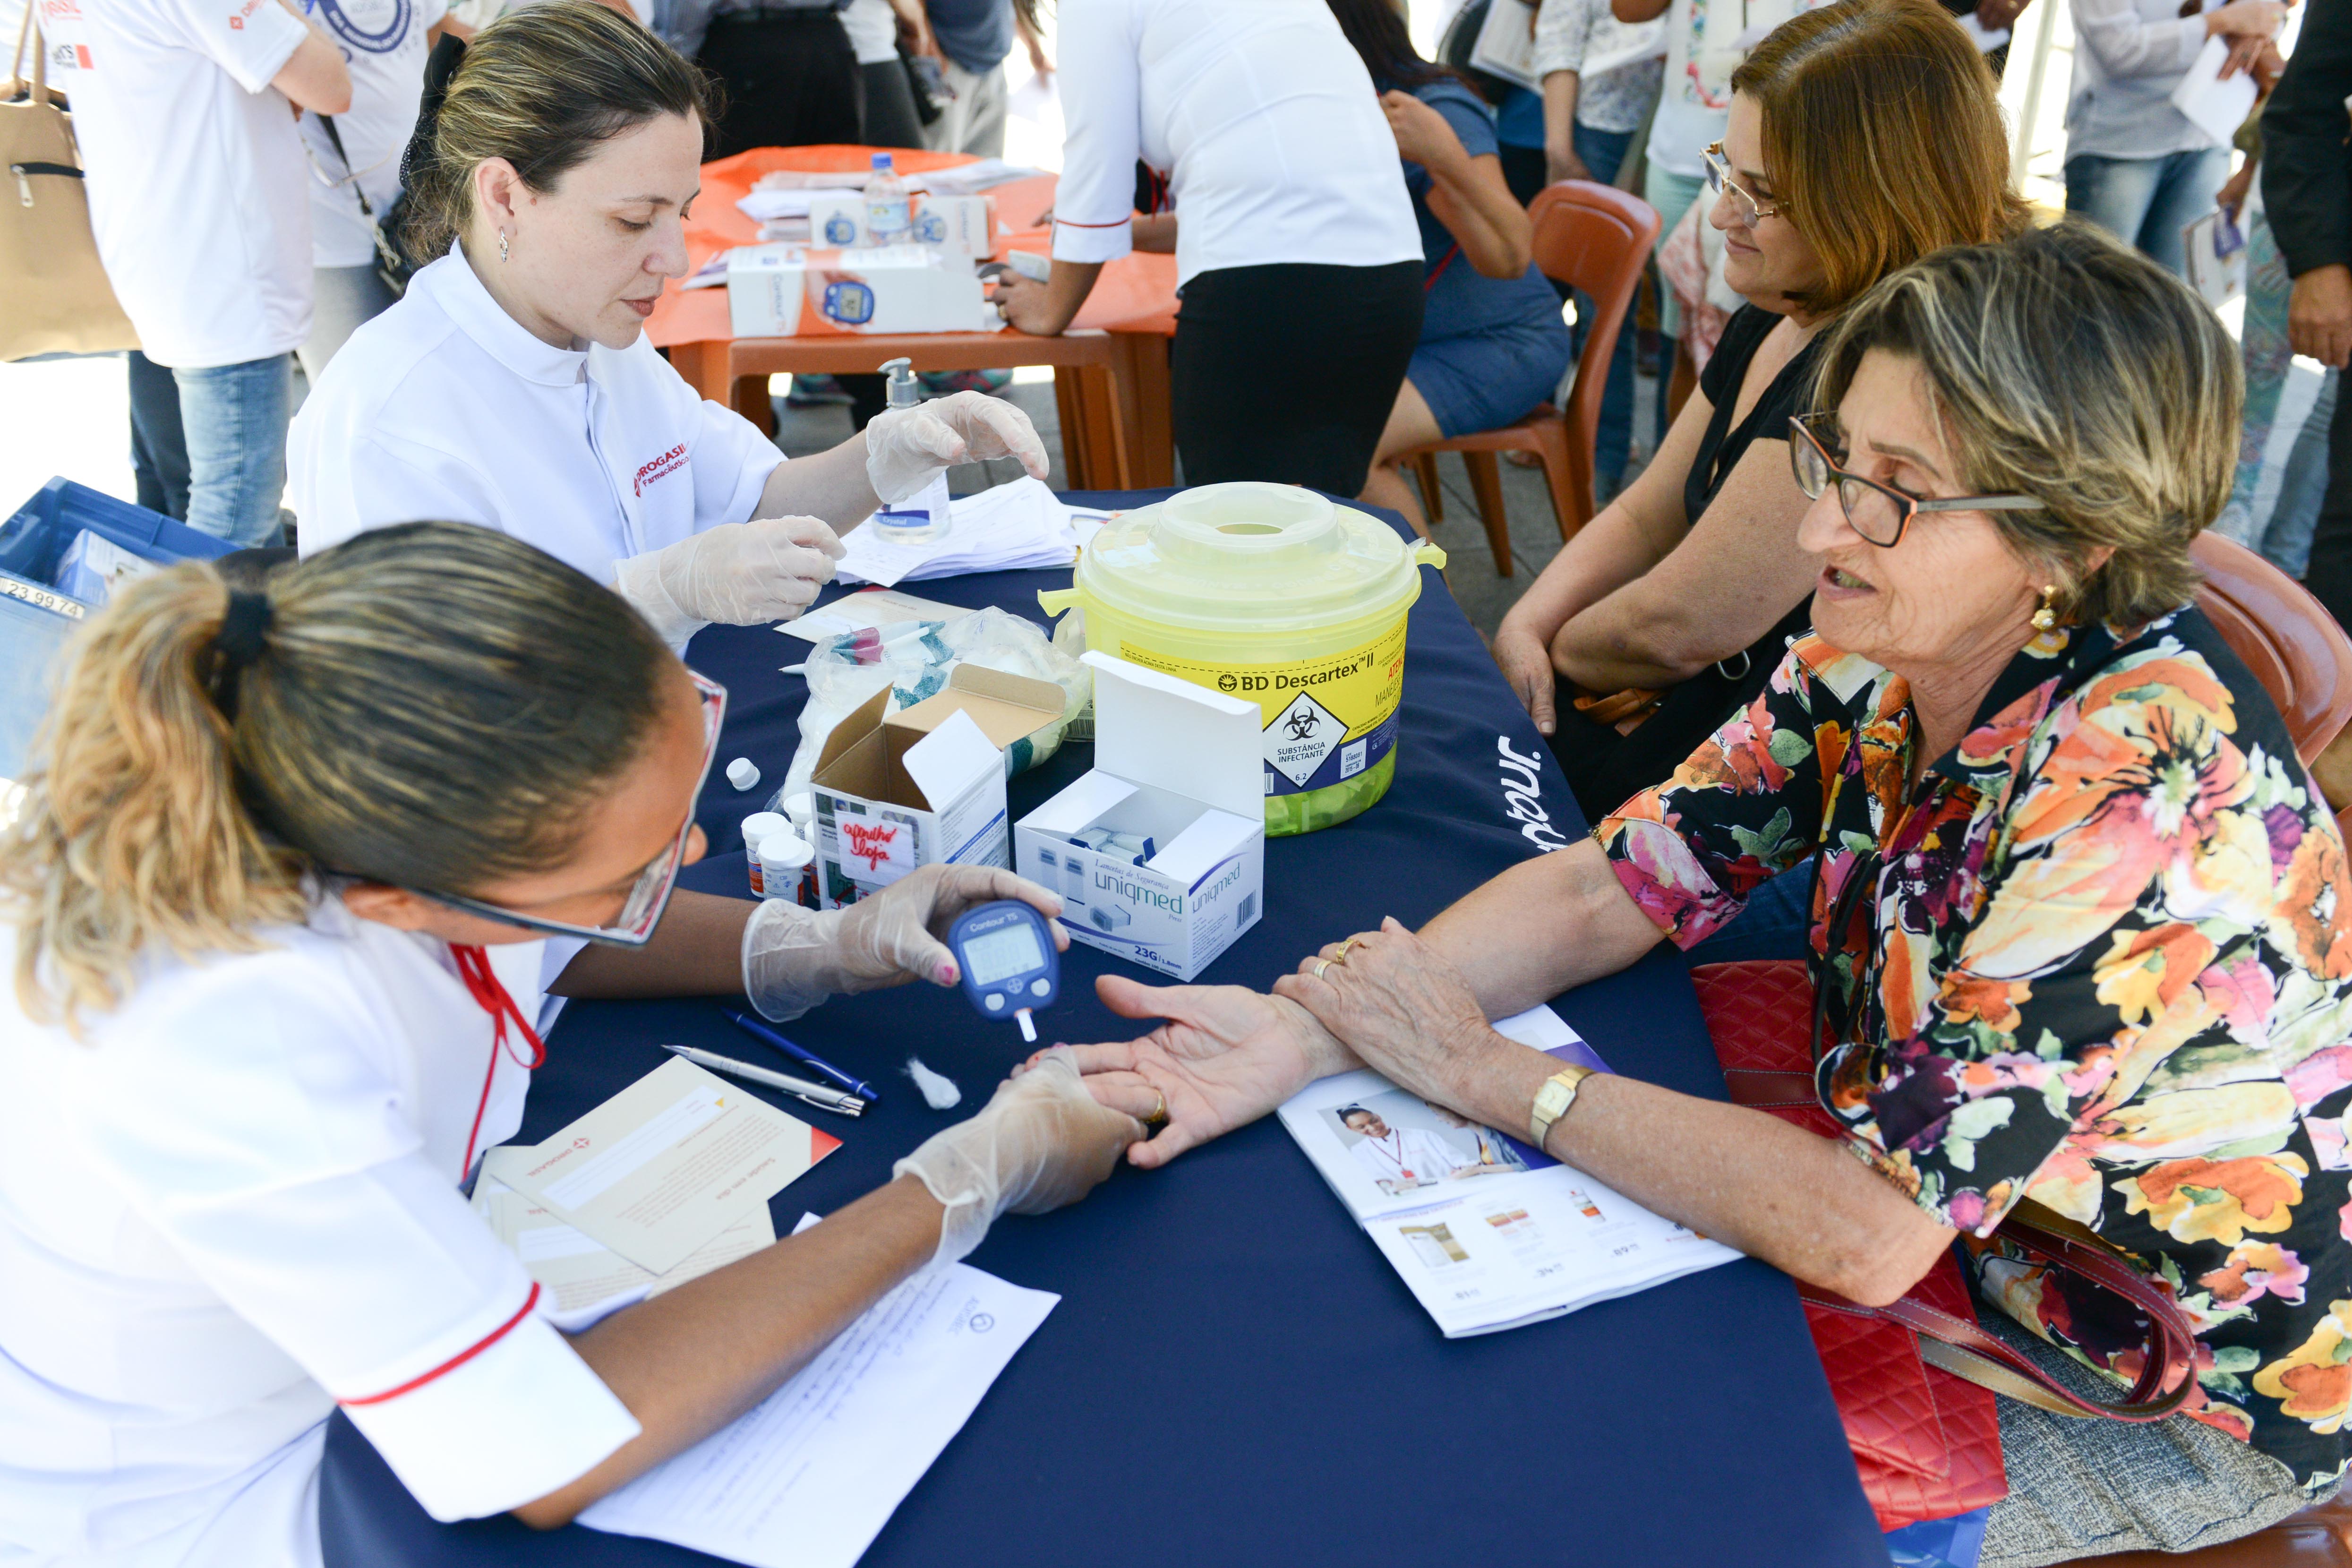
[{"x": 1251, "y": 559}]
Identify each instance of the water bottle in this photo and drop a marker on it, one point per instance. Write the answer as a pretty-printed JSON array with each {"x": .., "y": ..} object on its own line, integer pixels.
[{"x": 889, "y": 213}]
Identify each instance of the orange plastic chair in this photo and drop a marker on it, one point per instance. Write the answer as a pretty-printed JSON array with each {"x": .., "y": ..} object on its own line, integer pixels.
[
  {"x": 2286, "y": 638},
  {"x": 1597, "y": 238}
]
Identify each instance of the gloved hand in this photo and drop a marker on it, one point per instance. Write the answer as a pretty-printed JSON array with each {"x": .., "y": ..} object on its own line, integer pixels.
[
  {"x": 905, "y": 446},
  {"x": 1041, "y": 1142},
  {"x": 739, "y": 575},
  {"x": 795, "y": 958}
]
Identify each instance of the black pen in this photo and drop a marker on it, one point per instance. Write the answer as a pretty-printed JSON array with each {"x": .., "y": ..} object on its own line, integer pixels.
[{"x": 760, "y": 1032}]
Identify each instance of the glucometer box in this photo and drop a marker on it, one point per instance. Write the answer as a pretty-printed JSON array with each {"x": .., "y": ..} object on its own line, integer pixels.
[
  {"x": 798, "y": 291},
  {"x": 924, "y": 785},
  {"x": 1179, "y": 771}
]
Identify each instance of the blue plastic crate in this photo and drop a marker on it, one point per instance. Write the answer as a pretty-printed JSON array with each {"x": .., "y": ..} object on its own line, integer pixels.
[{"x": 31, "y": 632}]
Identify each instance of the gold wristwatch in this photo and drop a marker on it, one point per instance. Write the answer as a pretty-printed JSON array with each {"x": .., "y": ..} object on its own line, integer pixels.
[{"x": 1552, "y": 1101}]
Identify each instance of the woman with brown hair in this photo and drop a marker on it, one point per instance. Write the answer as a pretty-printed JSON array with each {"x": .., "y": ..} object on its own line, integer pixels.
[
  {"x": 290, "y": 868},
  {"x": 1863, "y": 136}
]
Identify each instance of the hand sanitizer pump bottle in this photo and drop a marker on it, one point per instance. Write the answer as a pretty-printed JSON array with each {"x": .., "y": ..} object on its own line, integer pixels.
[{"x": 921, "y": 518}]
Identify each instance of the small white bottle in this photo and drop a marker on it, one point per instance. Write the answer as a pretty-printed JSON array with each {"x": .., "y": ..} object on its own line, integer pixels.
[
  {"x": 921, "y": 518},
  {"x": 757, "y": 826},
  {"x": 889, "y": 211},
  {"x": 783, "y": 858}
]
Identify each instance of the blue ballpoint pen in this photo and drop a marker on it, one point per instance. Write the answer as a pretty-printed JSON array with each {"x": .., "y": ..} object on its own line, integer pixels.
[{"x": 760, "y": 1032}]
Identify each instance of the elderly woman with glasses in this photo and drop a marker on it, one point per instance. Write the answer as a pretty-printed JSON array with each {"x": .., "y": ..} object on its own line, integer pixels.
[
  {"x": 1862, "y": 135},
  {"x": 281, "y": 897},
  {"x": 2079, "y": 925}
]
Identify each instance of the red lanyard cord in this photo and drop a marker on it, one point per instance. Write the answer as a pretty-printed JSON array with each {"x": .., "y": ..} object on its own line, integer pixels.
[
  {"x": 1438, "y": 272},
  {"x": 482, "y": 982}
]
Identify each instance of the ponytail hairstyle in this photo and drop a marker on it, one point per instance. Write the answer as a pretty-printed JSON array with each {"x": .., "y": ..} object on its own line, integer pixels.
[
  {"x": 433, "y": 706},
  {"x": 541, "y": 88}
]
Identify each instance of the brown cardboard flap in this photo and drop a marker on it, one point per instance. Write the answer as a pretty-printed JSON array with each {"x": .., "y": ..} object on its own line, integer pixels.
[
  {"x": 1007, "y": 708},
  {"x": 852, "y": 730}
]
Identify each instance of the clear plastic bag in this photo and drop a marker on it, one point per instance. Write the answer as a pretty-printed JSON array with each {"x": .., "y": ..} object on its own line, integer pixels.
[{"x": 913, "y": 658}]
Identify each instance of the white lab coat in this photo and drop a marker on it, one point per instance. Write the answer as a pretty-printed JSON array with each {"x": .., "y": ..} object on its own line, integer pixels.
[
  {"x": 444, "y": 409},
  {"x": 1409, "y": 1156},
  {"x": 234, "y": 1205}
]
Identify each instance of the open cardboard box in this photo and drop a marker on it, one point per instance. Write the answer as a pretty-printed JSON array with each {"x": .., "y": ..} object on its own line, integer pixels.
[
  {"x": 1178, "y": 764},
  {"x": 924, "y": 785}
]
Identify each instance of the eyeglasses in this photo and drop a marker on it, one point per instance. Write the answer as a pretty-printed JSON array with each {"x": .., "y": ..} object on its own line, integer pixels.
[
  {"x": 641, "y": 911},
  {"x": 1878, "y": 513},
  {"x": 1719, "y": 180}
]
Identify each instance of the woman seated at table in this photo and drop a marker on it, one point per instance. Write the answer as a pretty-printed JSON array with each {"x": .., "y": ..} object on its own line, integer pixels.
[
  {"x": 1296, "y": 251},
  {"x": 513, "y": 386},
  {"x": 276, "y": 896},
  {"x": 2098, "y": 954},
  {"x": 1863, "y": 136},
  {"x": 1493, "y": 344}
]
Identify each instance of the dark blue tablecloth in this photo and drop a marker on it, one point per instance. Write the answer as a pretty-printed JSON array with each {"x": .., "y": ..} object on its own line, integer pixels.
[{"x": 1235, "y": 1374}]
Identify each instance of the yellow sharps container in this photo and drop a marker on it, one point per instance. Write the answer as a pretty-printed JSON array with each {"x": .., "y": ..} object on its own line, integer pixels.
[{"x": 1268, "y": 592}]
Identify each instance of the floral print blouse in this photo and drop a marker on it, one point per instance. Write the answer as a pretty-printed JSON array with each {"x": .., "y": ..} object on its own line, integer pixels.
[{"x": 2104, "y": 965}]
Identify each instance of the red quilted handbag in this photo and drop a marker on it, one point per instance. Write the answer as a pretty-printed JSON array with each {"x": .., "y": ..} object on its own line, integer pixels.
[{"x": 1913, "y": 1381}]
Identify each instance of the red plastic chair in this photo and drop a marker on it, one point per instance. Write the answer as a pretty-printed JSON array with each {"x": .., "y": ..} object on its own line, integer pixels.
[
  {"x": 1597, "y": 238},
  {"x": 2287, "y": 639}
]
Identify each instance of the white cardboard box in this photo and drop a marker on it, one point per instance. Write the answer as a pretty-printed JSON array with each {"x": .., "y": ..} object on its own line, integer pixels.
[
  {"x": 797, "y": 290},
  {"x": 962, "y": 225},
  {"x": 1180, "y": 764},
  {"x": 924, "y": 785}
]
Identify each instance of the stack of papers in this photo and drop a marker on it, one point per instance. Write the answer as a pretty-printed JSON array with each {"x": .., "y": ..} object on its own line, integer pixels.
[
  {"x": 669, "y": 1179},
  {"x": 1015, "y": 527},
  {"x": 764, "y": 204},
  {"x": 1487, "y": 1232},
  {"x": 808, "y": 1478},
  {"x": 970, "y": 179}
]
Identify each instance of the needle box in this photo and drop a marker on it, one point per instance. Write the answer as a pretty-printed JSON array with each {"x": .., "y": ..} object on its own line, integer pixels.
[
  {"x": 924, "y": 785},
  {"x": 1178, "y": 766}
]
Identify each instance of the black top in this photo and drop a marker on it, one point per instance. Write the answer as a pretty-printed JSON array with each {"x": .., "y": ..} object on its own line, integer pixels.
[
  {"x": 1606, "y": 769},
  {"x": 2306, "y": 177}
]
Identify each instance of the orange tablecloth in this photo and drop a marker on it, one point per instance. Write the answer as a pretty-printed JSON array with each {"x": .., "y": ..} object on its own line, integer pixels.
[{"x": 1136, "y": 293}]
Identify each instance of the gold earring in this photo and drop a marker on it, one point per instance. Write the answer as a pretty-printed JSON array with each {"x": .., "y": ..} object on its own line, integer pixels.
[
  {"x": 503, "y": 245},
  {"x": 2046, "y": 616}
]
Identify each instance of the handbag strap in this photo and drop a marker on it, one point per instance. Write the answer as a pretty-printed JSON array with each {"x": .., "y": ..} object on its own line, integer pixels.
[{"x": 28, "y": 34}]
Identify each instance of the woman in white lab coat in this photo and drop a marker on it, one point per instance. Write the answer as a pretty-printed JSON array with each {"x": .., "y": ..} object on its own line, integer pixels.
[
  {"x": 277, "y": 899},
  {"x": 512, "y": 385}
]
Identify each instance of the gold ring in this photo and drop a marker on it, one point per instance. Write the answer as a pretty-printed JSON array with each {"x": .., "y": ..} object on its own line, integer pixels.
[
  {"x": 1159, "y": 1117},
  {"x": 1320, "y": 965},
  {"x": 1342, "y": 956}
]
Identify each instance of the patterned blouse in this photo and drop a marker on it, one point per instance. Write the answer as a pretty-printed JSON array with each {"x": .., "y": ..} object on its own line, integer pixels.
[{"x": 2104, "y": 967}]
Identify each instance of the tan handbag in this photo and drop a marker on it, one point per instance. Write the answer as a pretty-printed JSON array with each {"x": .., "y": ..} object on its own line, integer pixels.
[{"x": 54, "y": 296}]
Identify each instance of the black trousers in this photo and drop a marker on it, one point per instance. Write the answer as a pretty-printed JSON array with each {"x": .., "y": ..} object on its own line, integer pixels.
[
  {"x": 791, "y": 80},
  {"x": 890, "y": 119},
  {"x": 2329, "y": 574},
  {"x": 1289, "y": 373},
  {"x": 159, "y": 446}
]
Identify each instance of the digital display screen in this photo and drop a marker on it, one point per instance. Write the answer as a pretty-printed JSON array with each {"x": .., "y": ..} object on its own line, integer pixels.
[{"x": 1002, "y": 953}]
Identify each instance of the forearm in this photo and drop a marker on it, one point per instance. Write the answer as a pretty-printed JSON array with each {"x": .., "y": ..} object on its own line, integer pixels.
[
  {"x": 1611, "y": 550},
  {"x": 1560, "y": 91},
  {"x": 832, "y": 485},
  {"x": 1481, "y": 213},
  {"x": 1065, "y": 292},
  {"x": 1747, "y": 1179},
  {"x": 1636, "y": 636},
  {"x": 1567, "y": 920},
  {"x": 697, "y": 950},
  {"x": 693, "y": 1359},
  {"x": 1154, "y": 232}
]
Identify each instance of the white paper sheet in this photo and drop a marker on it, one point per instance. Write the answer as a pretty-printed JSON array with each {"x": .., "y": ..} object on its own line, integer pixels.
[
  {"x": 584, "y": 1280},
  {"x": 1986, "y": 39},
  {"x": 808, "y": 1478},
  {"x": 2215, "y": 107},
  {"x": 1506, "y": 44},
  {"x": 1006, "y": 528}
]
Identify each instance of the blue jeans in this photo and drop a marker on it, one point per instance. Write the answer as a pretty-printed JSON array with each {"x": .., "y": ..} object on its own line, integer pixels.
[
  {"x": 235, "y": 417},
  {"x": 2147, "y": 202},
  {"x": 1602, "y": 151},
  {"x": 1776, "y": 922},
  {"x": 2285, "y": 539}
]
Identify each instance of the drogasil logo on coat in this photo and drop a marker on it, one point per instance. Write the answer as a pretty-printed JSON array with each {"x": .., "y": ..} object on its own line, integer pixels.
[
  {"x": 236, "y": 17},
  {"x": 669, "y": 462}
]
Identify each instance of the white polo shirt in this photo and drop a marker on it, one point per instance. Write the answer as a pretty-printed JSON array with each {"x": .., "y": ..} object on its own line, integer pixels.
[
  {"x": 444, "y": 408},
  {"x": 234, "y": 1205},
  {"x": 383, "y": 43},
  {"x": 1261, "y": 114},
  {"x": 199, "y": 193}
]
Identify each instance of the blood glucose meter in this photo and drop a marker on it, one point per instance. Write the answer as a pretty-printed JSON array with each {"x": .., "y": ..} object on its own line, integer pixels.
[{"x": 1005, "y": 951}]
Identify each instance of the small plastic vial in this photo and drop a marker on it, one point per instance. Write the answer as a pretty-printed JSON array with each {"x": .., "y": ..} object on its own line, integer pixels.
[
  {"x": 783, "y": 858},
  {"x": 757, "y": 826},
  {"x": 743, "y": 773}
]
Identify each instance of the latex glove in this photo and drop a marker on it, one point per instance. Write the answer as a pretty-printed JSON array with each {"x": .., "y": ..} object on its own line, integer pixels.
[
  {"x": 905, "y": 446},
  {"x": 739, "y": 575},
  {"x": 1041, "y": 1142},
  {"x": 795, "y": 958}
]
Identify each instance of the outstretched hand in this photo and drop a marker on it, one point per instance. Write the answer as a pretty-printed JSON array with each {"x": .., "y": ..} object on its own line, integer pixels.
[{"x": 1225, "y": 1056}]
